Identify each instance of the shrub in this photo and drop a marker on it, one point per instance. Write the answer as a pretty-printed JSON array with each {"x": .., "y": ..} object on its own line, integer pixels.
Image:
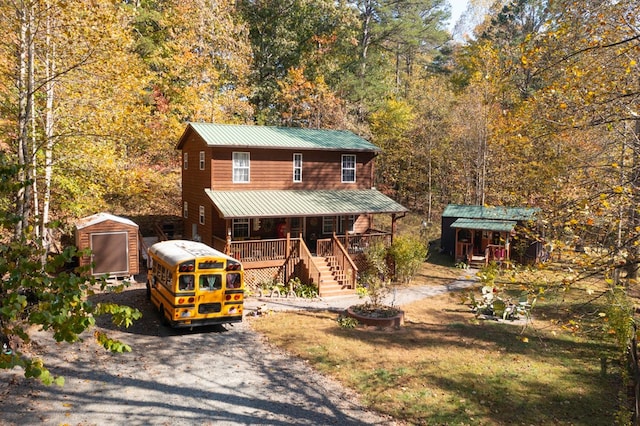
[
  {"x": 374, "y": 276},
  {"x": 307, "y": 291},
  {"x": 407, "y": 254},
  {"x": 347, "y": 322}
]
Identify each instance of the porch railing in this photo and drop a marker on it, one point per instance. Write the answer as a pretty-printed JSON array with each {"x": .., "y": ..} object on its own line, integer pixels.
[
  {"x": 358, "y": 243},
  {"x": 262, "y": 250}
]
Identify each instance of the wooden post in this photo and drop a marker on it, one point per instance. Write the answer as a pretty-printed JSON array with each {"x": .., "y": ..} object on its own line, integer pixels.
[
  {"x": 227, "y": 247},
  {"x": 394, "y": 226}
]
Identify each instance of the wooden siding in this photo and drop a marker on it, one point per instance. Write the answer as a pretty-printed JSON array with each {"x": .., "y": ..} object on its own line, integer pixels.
[
  {"x": 83, "y": 241},
  {"x": 269, "y": 169},
  {"x": 194, "y": 182},
  {"x": 273, "y": 169}
]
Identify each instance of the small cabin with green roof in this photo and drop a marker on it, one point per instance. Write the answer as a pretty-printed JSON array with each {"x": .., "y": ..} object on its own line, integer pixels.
[
  {"x": 285, "y": 201},
  {"x": 482, "y": 234}
]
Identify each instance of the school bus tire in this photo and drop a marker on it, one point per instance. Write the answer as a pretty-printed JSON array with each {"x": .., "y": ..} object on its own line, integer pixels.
[{"x": 163, "y": 319}]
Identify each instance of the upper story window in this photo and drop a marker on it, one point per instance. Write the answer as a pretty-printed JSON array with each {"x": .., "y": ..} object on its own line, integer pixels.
[
  {"x": 185, "y": 209},
  {"x": 185, "y": 159},
  {"x": 348, "y": 168},
  {"x": 201, "y": 160},
  {"x": 297, "y": 167},
  {"x": 201, "y": 215},
  {"x": 240, "y": 167}
]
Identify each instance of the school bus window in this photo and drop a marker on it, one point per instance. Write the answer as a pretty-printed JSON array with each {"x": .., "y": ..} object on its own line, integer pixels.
[
  {"x": 233, "y": 280},
  {"x": 210, "y": 282},
  {"x": 186, "y": 282}
]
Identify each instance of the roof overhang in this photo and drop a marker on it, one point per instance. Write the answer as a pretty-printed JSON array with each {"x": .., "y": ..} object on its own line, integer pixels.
[
  {"x": 300, "y": 203},
  {"x": 485, "y": 225}
]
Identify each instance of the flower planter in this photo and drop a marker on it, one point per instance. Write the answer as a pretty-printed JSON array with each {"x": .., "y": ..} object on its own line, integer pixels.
[{"x": 395, "y": 321}]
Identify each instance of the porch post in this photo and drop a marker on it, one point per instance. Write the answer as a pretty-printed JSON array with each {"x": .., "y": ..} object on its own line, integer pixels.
[
  {"x": 287, "y": 245},
  {"x": 227, "y": 247},
  {"x": 346, "y": 233},
  {"x": 394, "y": 226}
]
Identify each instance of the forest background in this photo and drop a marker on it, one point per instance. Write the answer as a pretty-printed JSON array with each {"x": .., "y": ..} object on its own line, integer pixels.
[
  {"x": 534, "y": 103},
  {"x": 536, "y": 108}
]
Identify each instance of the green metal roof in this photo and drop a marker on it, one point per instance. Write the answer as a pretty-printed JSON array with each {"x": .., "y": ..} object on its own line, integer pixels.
[
  {"x": 485, "y": 212},
  {"x": 485, "y": 225},
  {"x": 245, "y": 136},
  {"x": 291, "y": 203}
]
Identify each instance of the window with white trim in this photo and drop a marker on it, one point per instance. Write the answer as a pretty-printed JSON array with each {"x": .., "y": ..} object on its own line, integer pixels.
[
  {"x": 185, "y": 160},
  {"x": 297, "y": 167},
  {"x": 201, "y": 160},
  {"x": 201, "y": 215},
  {"x": 348, "y": 168},
  {"x": 185, "y": 209},
  {"x": 240, "y": 228},
  {"x": 240, "y": 167}
]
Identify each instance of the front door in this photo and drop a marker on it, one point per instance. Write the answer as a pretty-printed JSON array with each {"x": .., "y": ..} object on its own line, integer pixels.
[{"x": 313, "y": 230}]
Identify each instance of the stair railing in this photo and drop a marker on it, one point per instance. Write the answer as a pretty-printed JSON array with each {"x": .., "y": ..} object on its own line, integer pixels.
[
  {"x": 345, "y": 263},
  {"x": 307, "y": 262}
]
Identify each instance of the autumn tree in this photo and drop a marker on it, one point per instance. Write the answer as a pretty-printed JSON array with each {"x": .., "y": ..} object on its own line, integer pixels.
[
  {"x": 314, "y": 36},
  {"x": 68, "y": 98},
  {"x": 198, "y": 57},
  {"x": 587, "y": 105}
]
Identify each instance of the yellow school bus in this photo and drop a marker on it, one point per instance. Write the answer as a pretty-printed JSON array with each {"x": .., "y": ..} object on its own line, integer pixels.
[{"x": 192, "y": 284}]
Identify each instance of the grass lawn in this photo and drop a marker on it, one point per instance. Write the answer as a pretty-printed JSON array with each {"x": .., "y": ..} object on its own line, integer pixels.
[{"x": 445, "y": 367}]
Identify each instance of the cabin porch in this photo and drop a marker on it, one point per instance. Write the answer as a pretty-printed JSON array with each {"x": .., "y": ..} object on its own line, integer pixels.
[
  {"x": 479, "y": 247},
  {"x": 332, "y": 265}
]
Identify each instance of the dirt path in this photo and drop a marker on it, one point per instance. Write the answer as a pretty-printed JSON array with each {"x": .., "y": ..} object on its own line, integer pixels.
[{"x": 217, "y": 375}]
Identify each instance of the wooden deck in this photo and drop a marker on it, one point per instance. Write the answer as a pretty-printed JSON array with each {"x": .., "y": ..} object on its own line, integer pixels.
[{"x": 331, "y": 267}]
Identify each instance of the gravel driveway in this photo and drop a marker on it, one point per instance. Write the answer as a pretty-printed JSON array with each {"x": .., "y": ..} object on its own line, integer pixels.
[{"x": 213, "y": 375}]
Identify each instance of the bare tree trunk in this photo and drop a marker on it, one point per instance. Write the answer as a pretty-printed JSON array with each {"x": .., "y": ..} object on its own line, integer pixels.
[
  {"x": 49, "y": 126},
  {"x": 25, "y": 99}
]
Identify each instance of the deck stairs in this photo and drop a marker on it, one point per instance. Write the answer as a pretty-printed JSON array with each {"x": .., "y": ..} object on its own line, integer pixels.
[
  {"x": 332, "y": 278},
  {"x": 477, "y": 262}
]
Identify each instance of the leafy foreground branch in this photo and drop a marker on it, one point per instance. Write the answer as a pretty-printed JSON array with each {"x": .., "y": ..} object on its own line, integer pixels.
[{"x": 54, "y": 298}]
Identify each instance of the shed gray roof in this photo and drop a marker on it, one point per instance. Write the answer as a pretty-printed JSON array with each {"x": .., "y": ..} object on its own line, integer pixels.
[
  {"x": 245, "y": 136},
  {"x": 293, "y": 203},
  {"x": 485, "y": 212}
]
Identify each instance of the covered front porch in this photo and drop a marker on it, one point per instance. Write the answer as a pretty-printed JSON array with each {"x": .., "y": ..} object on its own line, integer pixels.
[
  {"x": 318, "y": 237},
  {"x": 480, "y": 242}
]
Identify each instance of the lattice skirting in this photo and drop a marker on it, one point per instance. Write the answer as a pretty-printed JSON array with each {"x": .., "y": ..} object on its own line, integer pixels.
[{"x": 254, "y": 278}]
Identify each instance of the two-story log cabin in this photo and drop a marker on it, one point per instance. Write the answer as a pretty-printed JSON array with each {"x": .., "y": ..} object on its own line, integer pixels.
[{"x": 285, "y": 201}]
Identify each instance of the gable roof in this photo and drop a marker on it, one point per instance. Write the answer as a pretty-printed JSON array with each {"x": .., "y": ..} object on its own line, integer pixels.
[
  {"x": 246, "y": 136},
  {"x": 292, "y": 203},
  {"x": 491, "y": 213},
  {"x": 102, "y": 217}
]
